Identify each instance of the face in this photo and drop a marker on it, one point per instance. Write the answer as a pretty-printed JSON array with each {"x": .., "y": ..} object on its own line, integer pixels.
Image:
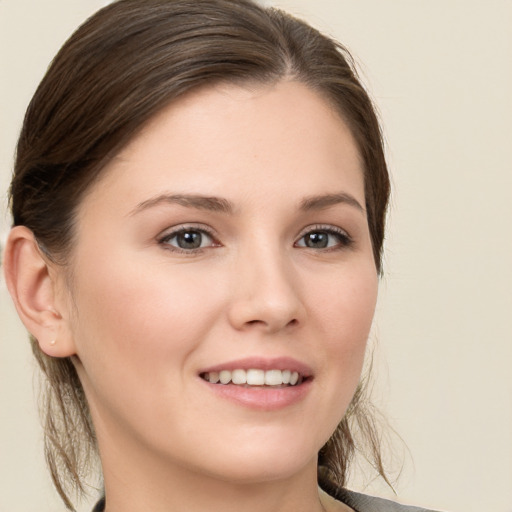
[{"x": 227, "y": 241}]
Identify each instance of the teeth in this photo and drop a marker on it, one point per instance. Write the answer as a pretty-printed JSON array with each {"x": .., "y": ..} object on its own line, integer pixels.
[
  {"x": 273, "y": 377},
  {"x": 225, "y": 377},
  {"x": 254, "y": 377},
  {"x": 238, "y": 377}
]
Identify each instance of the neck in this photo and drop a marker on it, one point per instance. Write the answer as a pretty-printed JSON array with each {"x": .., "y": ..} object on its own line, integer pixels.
[{"x": 136, "y": 487}]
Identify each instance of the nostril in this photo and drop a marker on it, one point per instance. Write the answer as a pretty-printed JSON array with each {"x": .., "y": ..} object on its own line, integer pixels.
[
  {"x": 292, "y": 322},
  {"x": 253, "y": 322}
]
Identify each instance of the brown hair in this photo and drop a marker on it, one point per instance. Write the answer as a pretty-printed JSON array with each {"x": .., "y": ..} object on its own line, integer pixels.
[{"x": 119, "y": 69}]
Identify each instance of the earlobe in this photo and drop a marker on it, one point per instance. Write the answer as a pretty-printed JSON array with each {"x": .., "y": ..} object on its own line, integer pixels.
[{"x": 33, "y": 288}]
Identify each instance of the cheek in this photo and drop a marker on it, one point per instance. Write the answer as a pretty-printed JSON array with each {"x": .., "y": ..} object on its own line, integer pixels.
[
  {"x": 136, "y": 333},
  {"x": 345, "y": 315},
  {"x": 346, "y": 304},
  {"x": 138, "y": 318}
]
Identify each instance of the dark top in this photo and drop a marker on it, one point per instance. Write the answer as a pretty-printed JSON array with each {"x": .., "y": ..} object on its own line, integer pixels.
[
  {"x": 364, "y": 503},
  {"x": 100, "y": 506},
  {"x": 359, "y": 502}
]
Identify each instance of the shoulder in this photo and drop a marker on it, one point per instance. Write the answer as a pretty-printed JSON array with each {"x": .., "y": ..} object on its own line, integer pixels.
[{"x": 364, "y": 503}]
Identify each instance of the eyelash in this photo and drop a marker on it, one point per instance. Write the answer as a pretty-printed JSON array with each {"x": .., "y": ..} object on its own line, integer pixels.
[
  {"x": 344, "y": 239},
  {"x": 165, "y": 239}
]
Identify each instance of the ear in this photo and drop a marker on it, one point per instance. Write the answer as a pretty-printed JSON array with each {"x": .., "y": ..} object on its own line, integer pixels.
[{"x": 32, "y": 281}]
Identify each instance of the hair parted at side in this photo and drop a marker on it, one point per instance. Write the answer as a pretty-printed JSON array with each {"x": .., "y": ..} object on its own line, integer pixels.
[{"x": 121, "y": 67}]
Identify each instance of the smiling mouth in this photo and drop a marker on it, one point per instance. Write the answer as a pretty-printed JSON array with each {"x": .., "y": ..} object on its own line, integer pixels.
[{"x": 255, "y": 377}]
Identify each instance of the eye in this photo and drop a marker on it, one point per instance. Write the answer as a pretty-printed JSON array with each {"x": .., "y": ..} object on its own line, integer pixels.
[
  {"x": 324, "y": 238},
  {"x": 188, "y": 239}
]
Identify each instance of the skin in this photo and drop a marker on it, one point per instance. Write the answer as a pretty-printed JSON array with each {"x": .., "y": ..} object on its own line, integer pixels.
[{"x": 142, "y": 317}]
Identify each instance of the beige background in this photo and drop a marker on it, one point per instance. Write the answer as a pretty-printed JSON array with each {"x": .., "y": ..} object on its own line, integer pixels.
[{"x": 441, "y": 73}]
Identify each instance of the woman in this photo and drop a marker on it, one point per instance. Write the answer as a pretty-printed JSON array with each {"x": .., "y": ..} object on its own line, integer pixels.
[{"x": 199, "y": 201}]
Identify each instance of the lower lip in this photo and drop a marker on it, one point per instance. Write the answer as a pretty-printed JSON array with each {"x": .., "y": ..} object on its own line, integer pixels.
[{"x": 264, "y": 398}]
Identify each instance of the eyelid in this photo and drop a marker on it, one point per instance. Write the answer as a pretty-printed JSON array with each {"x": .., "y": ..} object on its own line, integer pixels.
[{"x": 323, "y": 227}]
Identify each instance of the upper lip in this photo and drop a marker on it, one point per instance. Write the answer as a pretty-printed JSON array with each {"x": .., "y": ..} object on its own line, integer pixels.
[{"x": 262, "y": 363}]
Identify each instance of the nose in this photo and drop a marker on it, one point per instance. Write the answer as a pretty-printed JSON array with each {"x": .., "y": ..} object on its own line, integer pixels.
[{"x": 265, "y": 294}]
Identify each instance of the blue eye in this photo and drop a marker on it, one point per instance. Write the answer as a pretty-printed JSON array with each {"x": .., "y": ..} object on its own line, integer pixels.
[
  {"x": 324, "y": 238},
  {"x": 188, "y": 239}
]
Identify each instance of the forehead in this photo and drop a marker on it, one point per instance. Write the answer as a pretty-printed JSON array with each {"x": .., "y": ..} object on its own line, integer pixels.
[{"x": 232, "y": 139}]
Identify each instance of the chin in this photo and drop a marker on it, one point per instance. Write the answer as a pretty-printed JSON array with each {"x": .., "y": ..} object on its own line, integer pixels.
[
  {"x": 262, "y": 460},
  {"x": 271, "y": 469}
]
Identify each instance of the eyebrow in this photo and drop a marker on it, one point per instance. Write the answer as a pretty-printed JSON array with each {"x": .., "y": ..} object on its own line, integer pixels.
[
  {"x": 221, "y": 205},
  {"x": 327, "y": 200},
  {"x": 200, "y": 202}
]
